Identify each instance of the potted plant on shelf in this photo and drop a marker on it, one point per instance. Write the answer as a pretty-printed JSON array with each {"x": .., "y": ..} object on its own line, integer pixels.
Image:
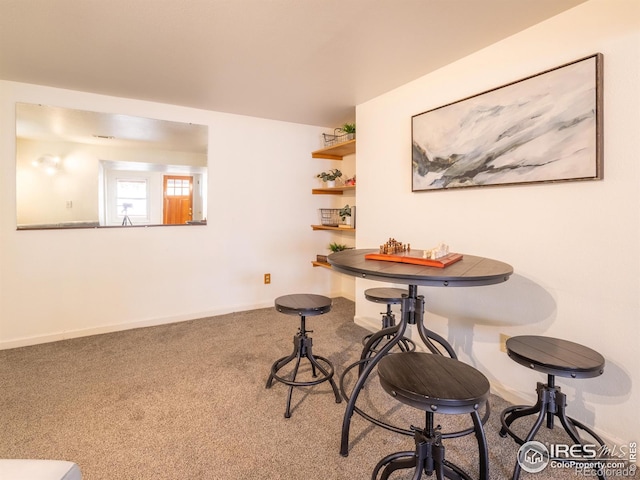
[
  {"x": 330, "y": 177},
  {"x": 350, "y": 130},
  {"x": 336, "y": 247},
  {"x": 345, "y": 215}
]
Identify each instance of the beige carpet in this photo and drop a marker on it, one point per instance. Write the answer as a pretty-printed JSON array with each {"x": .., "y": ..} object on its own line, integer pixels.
[{"x": 188, "y": 401}]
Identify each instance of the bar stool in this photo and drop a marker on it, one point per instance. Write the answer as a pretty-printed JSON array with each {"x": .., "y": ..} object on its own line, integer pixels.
[
  {"x": 388, "y": 296},
  {"x": 303, "y": 305},
  {"x": 435, "y": 384},
  {"x": 552, "y": 356}
]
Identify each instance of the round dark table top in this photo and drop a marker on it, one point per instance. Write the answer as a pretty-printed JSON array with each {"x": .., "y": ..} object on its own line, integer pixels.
[{"x": 470, "y": 271}]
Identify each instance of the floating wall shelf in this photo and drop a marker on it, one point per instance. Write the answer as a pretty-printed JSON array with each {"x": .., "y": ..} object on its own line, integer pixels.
[{"x": 337, "y": 151}]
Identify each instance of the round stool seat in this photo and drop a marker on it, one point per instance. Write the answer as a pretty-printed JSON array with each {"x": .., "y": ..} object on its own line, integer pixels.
[
  {"x": 390, "y": 296},
  {"x": 554, "y": 356},
  {"x": 303, "y": 304},
  {"x": 433, "y": 383}
]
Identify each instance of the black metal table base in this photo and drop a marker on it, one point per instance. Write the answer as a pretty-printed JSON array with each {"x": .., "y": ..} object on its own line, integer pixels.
[
  {"x": 412, "y": 313},
  {"x": 429, "y": 455},
  {"x": 302, "y": 348},
  {"x": 388, "y": 321},
  {"x": 551, "y": 403}
]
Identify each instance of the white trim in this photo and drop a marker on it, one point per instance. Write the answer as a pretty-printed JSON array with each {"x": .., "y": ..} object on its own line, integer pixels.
[
  {"x": 371, "y": 324},
  {"x": 118, "y": 327}
]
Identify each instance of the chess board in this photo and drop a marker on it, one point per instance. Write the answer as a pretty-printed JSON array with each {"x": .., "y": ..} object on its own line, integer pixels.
[{"x": 415, "y": 257}]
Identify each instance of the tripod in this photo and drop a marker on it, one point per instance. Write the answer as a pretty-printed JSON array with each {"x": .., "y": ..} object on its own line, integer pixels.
[{"x": 126, "y": 220}]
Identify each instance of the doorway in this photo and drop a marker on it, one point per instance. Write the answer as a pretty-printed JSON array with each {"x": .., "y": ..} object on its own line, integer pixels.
[{"x": 178, "y": 200}]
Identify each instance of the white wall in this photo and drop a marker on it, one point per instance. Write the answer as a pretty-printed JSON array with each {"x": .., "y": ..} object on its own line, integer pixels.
[
  {"x": 42, "y": 197},
  {"x": 65, "y": 283},
  {"x": 552, "y": 234}
]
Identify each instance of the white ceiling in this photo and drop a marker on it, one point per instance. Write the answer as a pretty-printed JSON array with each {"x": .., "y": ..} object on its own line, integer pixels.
[{"x": 303, "y": 61}]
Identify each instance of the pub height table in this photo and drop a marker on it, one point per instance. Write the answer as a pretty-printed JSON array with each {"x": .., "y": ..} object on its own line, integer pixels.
[{"x": 469, "y": 271}]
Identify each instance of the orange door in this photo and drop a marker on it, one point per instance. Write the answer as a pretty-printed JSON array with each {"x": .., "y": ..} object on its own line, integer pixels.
[{"x": 178, "y": 200}]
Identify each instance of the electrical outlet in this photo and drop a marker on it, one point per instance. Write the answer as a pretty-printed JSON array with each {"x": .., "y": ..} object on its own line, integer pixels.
[
  {"x": 503, "y": 342},
  {"x": 267, "y": 278}
]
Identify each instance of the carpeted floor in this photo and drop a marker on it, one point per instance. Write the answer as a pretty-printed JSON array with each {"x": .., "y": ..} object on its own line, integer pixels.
[{"x": 188, "y": 401}]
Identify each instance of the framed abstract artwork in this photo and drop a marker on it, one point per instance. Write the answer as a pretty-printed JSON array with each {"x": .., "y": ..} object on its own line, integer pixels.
[{"x": 543, "y": 128}]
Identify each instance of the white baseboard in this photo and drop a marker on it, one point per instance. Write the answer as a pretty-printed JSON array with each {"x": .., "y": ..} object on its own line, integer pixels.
[
  {"x": 117, "y": 327},
  {"x": 371, "y": 324}
]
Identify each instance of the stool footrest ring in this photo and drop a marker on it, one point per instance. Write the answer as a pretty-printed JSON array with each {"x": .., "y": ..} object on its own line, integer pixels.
[
  {"x": 517, "y": 411},
  {"x": 327, "y": 373},
  {"x": 402, "y": 460},
  {"x": 404, "y": 344}
]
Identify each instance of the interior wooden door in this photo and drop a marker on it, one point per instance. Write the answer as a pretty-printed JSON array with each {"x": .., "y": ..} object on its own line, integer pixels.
[{"x": 178, "y": 199}]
